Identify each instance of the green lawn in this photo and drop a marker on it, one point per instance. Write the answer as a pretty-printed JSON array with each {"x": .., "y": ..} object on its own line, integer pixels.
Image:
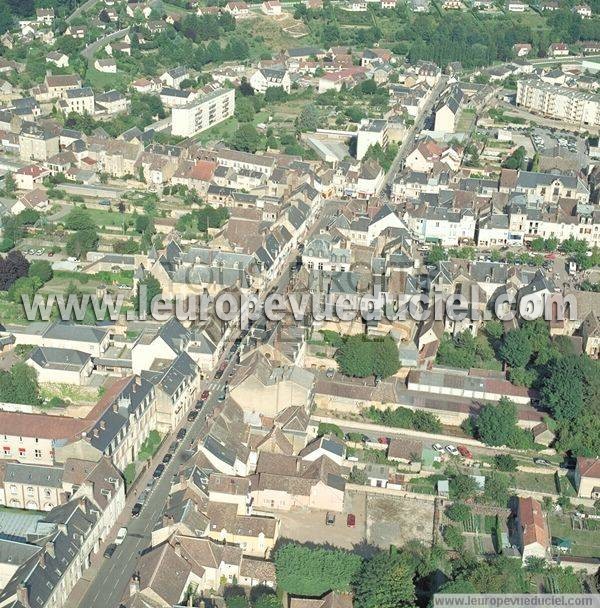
[
  {"x": 535, "y": 482},
  {"x": 70, "y": 393},
  {"x": 586, "y": 542},
  {"x": 222, "y": 131},
  {"x": 109, "y": 218},
  {"x": 100, "y": 81},
  {"x": 10, "y": 312}
]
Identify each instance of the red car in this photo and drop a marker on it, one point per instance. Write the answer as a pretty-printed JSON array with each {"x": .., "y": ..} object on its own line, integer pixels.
[
  {"x": 384, "y": 440},
  {"x": 351, "y": 520},
  {"x": 464, "y": 452},
  {"x": 204, "y": 395}
]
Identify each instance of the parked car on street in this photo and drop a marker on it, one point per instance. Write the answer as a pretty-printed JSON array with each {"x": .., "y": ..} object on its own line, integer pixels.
[
  {"x": 108, "y": 552},
  {"x": 121, "y": 534},
  {"x": 464, "y": 452}
]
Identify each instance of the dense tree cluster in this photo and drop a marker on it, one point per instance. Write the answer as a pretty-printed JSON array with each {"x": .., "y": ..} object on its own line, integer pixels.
[
  {"x": 303, "y": 570},
  {"x": 361, "y": 356},
  {"x": 19, "y": 385},
  {"x": 465, "y": 351},
  {"x": 497, "y": 425},
  {"x": 396, "y": 578},
  {"x": 12, "y": 267}
]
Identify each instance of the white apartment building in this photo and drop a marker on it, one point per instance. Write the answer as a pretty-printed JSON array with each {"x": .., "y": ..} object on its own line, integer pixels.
[
  {"x": 80, "y": 101},
  {"x": 370, "y": 133},
  {"x": 562, "y": 103},
  {"x": 203, "y": 113}
]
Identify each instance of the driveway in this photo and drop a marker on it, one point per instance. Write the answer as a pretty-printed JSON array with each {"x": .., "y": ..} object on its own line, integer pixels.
[{"x": 381, "y": 520}]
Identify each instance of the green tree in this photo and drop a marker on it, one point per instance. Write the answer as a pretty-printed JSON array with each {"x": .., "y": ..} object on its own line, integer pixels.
[
  {"x": 24, "y": 286},
  {"x": 152, "y": 289},
  {"x": 308, "y": 119},
  {"x": 453, "y": 537},
  {"x": 458, "y": 586},
  {"x": 436, "y": 254},
  {"x": 267, "y": 601},
  {"x": 494, "y": 329},
  {"x": 326, "y": 428},
  {"x": 355, "y": 356},
  {"x": 459, "y": 512},
  {"x": 143, "y": 223},
  {"x": 497, "y": 425},
  {"x": 515, "y": 160},
  {"x": 244, "y": 109},
  {"x": 566, "y": 386},
  {"x": 496, "y": 489},
  {"x": 580, "y": 436},
  {"x": 386, "y": 359},
  {"x": 358, "y": 476},
  {"x": 41, "y": 269},
  {"x": 246, "y": 138},
  {"x": 516, "y": 350},
  {"x": 385, "y": 581},
  {"x": 462, "y": 486},
  {"x": 505, "y": 462},
  {"x": 130, "y": 246},
  {"x": 20, "y": 385},
  {"x": 82, "y": 241},
  {"x": 303, "y": 570},
  {"x": 79, "y": 219}
]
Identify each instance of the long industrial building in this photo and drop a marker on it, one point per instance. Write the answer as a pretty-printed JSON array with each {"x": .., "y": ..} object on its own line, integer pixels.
[{"x": 572, "y": 106}]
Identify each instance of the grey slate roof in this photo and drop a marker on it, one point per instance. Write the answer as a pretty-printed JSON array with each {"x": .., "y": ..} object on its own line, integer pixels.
[
  {"x": 59, "y": 358},
  {"x": 35, "y": 475}
]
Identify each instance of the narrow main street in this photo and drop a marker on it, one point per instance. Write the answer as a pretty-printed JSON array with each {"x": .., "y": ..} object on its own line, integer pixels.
[
  {"x": 107, "y": 579},
  {"x": 412, "y": 134}
]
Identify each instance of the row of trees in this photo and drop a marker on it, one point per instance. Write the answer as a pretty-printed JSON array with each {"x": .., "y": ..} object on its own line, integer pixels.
[
  {"x": 396, "y": 578},
  {"x": 403, "y": 417}
]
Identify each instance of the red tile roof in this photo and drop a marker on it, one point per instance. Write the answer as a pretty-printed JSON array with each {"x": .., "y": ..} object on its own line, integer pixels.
[
  {"x": 589, "y": 467},
  {"x": 533, "y": 523}
]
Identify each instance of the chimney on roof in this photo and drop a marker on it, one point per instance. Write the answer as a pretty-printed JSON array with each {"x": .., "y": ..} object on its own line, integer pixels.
[
  {"x": 103, "y": 425},
  {"x": 50, "y": 549},
  {"x": 96, "y": 433},
  {"x": 23, "y": 595},
  {"x": 134, "y": 584},
  {"x": 177, "y": 548}
]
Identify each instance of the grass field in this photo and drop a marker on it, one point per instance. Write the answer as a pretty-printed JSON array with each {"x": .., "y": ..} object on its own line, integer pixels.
[
  {"x": 100, "y": 81},
  {"x": 534, "y": 482},
  {"x": 466, "y": 120},
  {"x": 10, "y": 312},
  {"x": 70, "y": 392},
  {"x": 586, "y": 542}
]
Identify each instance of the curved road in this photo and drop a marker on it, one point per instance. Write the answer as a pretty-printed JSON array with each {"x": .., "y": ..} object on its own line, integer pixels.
[{"x": 90, "y": 50}]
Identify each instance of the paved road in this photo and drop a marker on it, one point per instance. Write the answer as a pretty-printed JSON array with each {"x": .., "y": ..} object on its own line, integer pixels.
[
  {"x": 412, "y": 134},
  {"x": 108, "y": 585},
  {"x": 80, "y": 9},
  {"x": 90, "y": 50}
]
